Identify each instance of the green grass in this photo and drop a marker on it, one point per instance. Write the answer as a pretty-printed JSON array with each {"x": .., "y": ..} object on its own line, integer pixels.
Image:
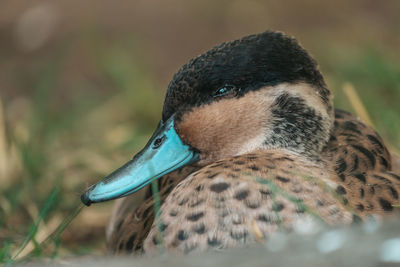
[
  {"x": 376, "y": 78},
  {"x": 59, "y": 145},
  {"x": 37, "y": 251}
]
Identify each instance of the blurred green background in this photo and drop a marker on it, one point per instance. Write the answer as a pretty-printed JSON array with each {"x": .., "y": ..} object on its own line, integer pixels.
[{"x": 82, "y": 84}]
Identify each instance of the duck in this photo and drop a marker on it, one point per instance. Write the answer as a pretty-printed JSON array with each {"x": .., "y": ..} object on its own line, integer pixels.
[{"x": 248, "y": 144}]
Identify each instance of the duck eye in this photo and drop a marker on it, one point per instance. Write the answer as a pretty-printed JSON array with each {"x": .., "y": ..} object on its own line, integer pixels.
[
  {"x": 158, "y": 142},
  {"x": 225, "y": 90}
]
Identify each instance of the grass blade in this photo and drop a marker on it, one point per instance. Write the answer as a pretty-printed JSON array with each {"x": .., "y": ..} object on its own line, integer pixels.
[{"x": 33, "y": 230}]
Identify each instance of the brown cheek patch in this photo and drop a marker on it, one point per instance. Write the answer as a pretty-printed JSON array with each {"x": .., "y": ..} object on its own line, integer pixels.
[{"x": 222, "y": 127}]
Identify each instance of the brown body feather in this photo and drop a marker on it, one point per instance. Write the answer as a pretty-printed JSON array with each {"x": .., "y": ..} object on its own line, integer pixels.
[
  {"x": 212, "y": 208},
  {"x": 222, "y": 205}
]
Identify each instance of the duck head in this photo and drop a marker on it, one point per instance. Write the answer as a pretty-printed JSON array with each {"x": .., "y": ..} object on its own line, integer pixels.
[{"x": 263, "y": 91}]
